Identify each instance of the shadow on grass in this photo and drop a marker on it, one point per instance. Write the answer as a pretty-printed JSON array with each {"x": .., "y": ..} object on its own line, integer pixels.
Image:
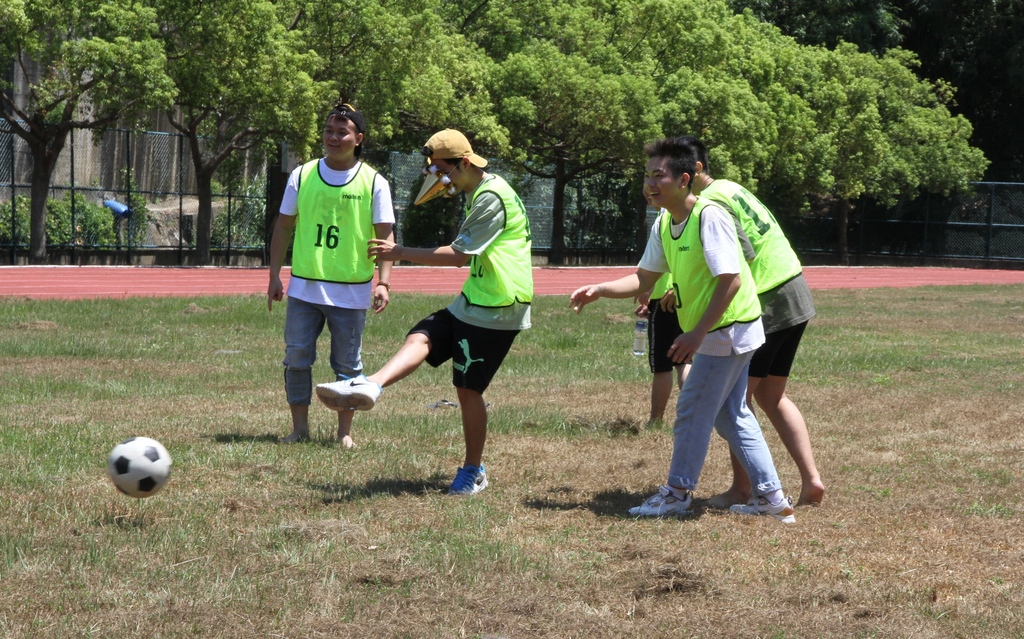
[
  {"x": 236, "y": 438},
  {"x": 391, "y": 486},
  {"x": 271, "y": 438},
  {"x": 608, "y": 503}
]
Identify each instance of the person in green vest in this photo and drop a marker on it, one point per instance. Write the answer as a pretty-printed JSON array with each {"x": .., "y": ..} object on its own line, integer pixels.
[
  {"x": 720, "y": 317},
  {"x": 478, "y": 328},
  {"x": 787, "y": 307},
  {"x": 331, "y": 207}
]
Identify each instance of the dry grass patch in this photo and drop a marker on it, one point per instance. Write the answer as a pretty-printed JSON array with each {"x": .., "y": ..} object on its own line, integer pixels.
[{"x": 914, "y": 420}]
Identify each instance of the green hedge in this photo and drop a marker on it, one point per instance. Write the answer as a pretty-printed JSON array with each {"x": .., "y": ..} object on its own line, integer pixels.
[{"x": 93, "y": 223}]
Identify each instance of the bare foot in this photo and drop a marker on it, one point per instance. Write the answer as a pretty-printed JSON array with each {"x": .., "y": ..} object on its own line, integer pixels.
[
  {"x": 295, "y": 437},
  {"x": 811, "y": 495},
  {"x": 347, "y": 442},
  {"x": 722, "y": 501}
]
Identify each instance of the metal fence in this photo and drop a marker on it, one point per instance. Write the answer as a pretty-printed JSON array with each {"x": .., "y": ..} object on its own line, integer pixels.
[
  {"x": 986, "y": 224},
  {"x": 152, "y": 174},
  {"x": 149, "y": 173},
  {"x": 599, "y": 220}
]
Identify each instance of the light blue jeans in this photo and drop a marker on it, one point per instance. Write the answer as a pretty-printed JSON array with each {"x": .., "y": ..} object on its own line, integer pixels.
[
  {"x": 303, "y": 324},
  {"x": 714, "y": 396}
]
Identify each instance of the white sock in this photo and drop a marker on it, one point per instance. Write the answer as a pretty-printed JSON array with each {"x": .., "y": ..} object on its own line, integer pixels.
[{"x": 775, "y": 497}]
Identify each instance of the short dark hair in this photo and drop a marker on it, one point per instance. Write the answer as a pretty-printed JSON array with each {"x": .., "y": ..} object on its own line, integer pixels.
[
  {"x": 348, "y": 112},
  {"x": 682, "y": 158},
  {"x": 699, "y": 148}
]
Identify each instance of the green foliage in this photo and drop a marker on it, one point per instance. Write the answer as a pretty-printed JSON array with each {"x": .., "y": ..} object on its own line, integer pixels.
[
  {"x": 100, "y": 63},
  {"x": 567, "y": 90},
  {"x": 981, "y": 54},
  {"x": 14, "y": 231},
  {"x": 73, "y": 221},
  {"x": 432, "y": 223},
  {"x": 247, "y": 219},
  {"x": 872, "y": 25},
  {"x": 103, "y": 51},
  {"x": 243, "y": 77},
  {"x": 89, "y": 225},
  {"x": 404, "y": 65}
]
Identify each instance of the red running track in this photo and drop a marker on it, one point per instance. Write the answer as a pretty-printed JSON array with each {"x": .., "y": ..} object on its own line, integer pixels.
[{"x": 78, "y": 282}]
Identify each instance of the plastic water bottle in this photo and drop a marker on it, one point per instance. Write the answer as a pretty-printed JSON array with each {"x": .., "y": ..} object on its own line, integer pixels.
[{"x": 640, "y": 337}]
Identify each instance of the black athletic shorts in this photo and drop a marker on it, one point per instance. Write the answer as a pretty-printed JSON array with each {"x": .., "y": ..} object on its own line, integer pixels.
[
  {"x": 662, "y": 329},
  {"x": 476, "y": 353},
  {"x": 775, "y": 357}
]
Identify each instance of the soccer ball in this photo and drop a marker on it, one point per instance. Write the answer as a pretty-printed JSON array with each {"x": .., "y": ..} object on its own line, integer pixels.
[{"x": 139, "y": 467}]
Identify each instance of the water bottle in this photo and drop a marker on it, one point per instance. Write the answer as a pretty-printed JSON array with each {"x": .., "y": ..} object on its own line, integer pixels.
[{"x": 640, "y": 337}]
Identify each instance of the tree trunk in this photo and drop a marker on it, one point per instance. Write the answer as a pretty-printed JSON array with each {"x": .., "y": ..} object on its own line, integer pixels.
[
  {"x": 842, "y": 208},
  {"x": 557, "y": 254},
  {"x": 44, "y": 158},
  {"x": 277, "y": 180},
  {"x": 642, "y": 229},
  {"x": 204, "y": 216}
]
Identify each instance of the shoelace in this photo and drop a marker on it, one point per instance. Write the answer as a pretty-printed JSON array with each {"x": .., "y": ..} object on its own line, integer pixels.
[{"x": 464, "y": 479}]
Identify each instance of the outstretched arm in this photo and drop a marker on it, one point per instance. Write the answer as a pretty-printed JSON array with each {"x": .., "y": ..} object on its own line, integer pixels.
[
  {"x": 440, "y": 256},
  {"x": 628, "y": 286}
]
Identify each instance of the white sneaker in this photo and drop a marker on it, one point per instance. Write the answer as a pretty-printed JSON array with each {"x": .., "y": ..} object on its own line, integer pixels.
[
  {"x": 664, "y": 503},
  {"x": 357, "y": 393},
  {"x": 783, "y": 511}
]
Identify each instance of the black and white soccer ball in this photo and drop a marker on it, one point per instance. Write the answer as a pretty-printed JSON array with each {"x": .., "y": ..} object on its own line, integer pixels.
[{"x": 139, "y": 467}]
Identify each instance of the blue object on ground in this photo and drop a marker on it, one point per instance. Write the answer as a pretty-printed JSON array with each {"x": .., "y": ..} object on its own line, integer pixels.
[{"x": 117, "y": 208}]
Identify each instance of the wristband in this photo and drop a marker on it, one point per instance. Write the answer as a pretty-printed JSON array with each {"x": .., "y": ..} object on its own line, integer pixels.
[{"x": 386, "y": 285}]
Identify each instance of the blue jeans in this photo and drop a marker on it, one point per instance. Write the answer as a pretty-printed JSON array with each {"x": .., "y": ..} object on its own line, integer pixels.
[
  {"x": 714, "y": 396},
  {"x": 303, "y": 324}
]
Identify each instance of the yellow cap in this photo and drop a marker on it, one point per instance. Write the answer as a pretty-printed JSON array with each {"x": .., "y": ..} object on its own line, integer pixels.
[{"x": 450, "y": 144}]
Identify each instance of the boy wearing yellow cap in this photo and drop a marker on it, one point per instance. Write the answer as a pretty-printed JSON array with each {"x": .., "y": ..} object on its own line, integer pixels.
[{"x": 478, "y": 328}]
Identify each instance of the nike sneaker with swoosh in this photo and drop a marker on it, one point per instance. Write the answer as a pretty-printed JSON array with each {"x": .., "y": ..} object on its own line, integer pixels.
[{"x": 357, "y": 393}]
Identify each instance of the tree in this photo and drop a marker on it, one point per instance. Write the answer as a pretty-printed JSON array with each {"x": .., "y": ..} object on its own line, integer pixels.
[
  {"x": 872, "y": 25},
  {"x": 401, "y": 63},
  {"x": 100, "y": 63},
  {"x": 574, "y": 98},
  {"x": 981, "y": 54},
  {"x": 242, "y": 79},
  {"x": 891, "y": 134},
  {"x": 570, "y": 119},
  {"x": 977, "y": 46}
]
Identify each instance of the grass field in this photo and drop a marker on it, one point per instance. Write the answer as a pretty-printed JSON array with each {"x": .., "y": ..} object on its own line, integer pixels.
[{"x": 912, "y": 397}]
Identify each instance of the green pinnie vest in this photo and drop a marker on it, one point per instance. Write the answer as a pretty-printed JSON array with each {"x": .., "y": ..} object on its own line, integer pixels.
[
  {"x": 661, "y": 286},
  {"x": 503, "y": 274},
  {"x": 693, "y": 280},
  {"x": 665, "y": 281},
  {"x": 333, "y": 226},
  {"x": 775, "y": 262}
]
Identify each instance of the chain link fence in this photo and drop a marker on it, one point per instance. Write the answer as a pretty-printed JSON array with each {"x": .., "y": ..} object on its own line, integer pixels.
[
  {"x": 986, "y": 224},
  {"x": 121, "y": 193}
]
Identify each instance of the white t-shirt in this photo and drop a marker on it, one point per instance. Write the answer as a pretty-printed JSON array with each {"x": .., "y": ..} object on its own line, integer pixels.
[
  {"x": 357, "y": 296},
  {"x": 718, "y": 235}
]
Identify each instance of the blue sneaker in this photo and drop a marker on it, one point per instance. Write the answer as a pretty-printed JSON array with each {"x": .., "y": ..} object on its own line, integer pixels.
[{"x": 469, "y": 480}]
